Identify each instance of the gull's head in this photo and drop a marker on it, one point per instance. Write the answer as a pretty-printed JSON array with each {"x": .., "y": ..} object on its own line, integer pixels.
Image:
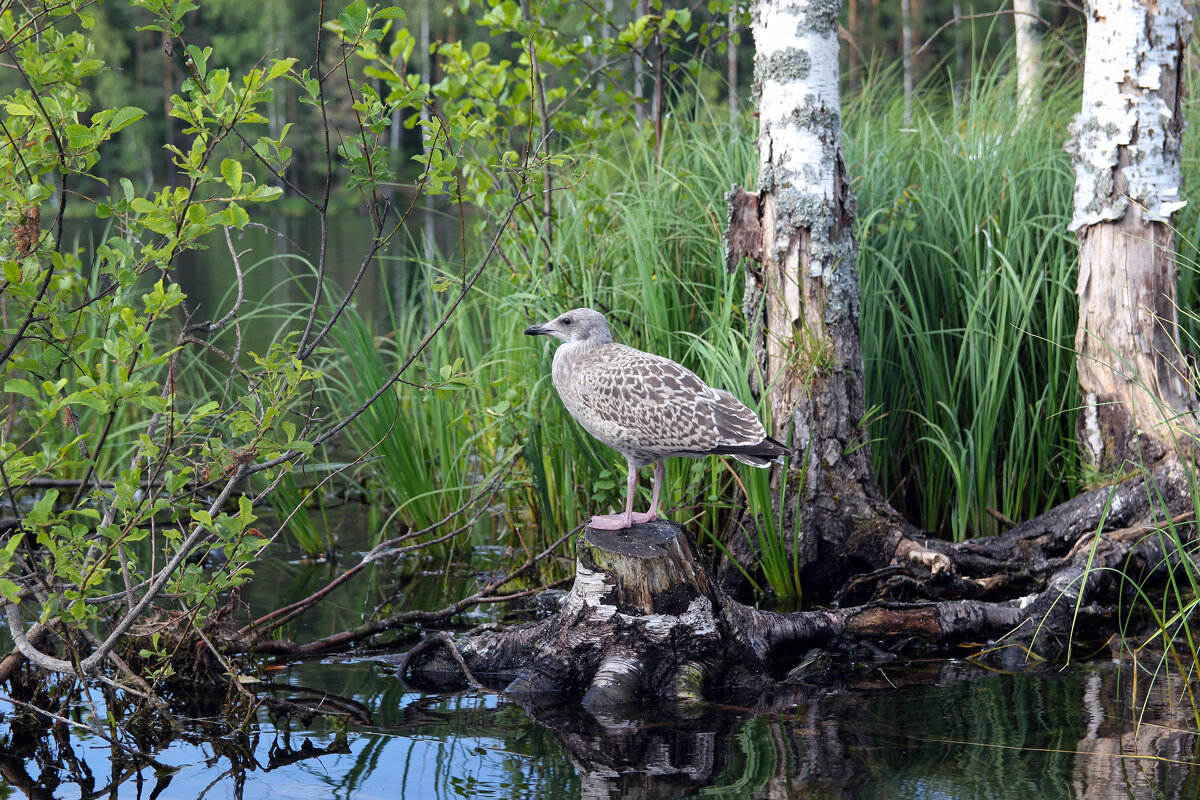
[{"x": 577, "y": 325}]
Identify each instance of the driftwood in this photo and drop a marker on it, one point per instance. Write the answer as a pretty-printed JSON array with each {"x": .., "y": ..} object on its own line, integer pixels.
[{"x": 646, "y": 618}]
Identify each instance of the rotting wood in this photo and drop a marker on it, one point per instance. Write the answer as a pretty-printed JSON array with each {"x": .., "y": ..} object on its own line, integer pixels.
[{"x": 645, "y": 618}]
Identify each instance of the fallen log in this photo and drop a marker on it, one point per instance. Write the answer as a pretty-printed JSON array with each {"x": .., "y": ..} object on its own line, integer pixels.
[{"x": 645, "y": 618}]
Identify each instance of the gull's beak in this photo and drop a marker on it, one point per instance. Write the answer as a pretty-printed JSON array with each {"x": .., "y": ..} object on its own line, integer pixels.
[{"x": 535, "y": 330}]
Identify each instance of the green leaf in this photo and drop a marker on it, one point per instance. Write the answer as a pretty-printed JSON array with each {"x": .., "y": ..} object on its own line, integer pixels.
[
  {"x": 11, "y": 546},
  {"x": 22, "y": 386},
  {"x": 90, "y": 399},
  {"x": 264, "y": 193},
  {"x": 43, "y": 507},
  {"x": 231, "y": 172},
  {"x": 280, "y": 67},
  {"x": 246, "y": 510},
  {"x": 10, "y": 590},
  {"x": 236, "y": 216},
  {"x": 125, "y": 117}
]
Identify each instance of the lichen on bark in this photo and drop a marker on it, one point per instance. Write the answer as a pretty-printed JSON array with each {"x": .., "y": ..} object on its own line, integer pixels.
[{"x": 1125, "y": 141}]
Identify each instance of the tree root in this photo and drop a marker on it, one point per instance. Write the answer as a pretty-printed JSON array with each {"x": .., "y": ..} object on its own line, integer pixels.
[{"x": 646, "y": 617}]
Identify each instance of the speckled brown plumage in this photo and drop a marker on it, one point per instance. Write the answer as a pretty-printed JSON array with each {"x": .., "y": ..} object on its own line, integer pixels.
[{"x": 647, "y": 407}]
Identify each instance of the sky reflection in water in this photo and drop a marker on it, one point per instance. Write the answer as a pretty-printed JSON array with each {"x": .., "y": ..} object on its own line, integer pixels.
[{"x": 927, "y": 731}]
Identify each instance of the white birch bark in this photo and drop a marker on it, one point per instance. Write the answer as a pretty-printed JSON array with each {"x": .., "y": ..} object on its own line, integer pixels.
[
  {"x": 808, "y": 281},
  {"x": 731, "y": 64},
  {"x": 795, "y": 236},
  {"x": 1125, "y": 147},
  {"x": 1125, "y": 139},
  {"x": 906, "y": 47},
  {"x": 1028, "y": 58}
]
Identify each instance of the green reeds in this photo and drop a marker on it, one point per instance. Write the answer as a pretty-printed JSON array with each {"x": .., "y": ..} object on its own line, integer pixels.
[
  {"x": 420, "y": 439},
  {"x": 968, "y": 305},
  {"x": 291, "y": 501},
  {"x": 968, "y": 321}
]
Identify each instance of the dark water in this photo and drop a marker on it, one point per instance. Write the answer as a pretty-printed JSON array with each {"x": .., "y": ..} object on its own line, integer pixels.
[
  {"x": 932, "y": 730},
  {"x": 945, "y": 730}
]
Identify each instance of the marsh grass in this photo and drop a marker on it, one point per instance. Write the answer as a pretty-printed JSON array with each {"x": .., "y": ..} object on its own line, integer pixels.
[
  {"x": 298, "y": 506},
  {"x": 1158, "y": 626},
  {"x": 969, "y": 310},
  {"x": 967, "y": 279}
]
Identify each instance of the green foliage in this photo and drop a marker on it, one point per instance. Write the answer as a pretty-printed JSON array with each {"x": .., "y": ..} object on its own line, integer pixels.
[
  {"x": 969, "y": 312},
  {"x": 776, "y": 544},
  {"x": 99, "y": 348},
  {"x": 291, "y": 500},
  {"x": 621, "y": 245},
  {"x": 419, "y": 433},
  {"x": 968, "y": 319}
]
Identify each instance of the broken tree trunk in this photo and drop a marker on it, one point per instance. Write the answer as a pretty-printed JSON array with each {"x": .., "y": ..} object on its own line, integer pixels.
[
  {"x": 795, "y": 235},
  {"x": 645, "y": 618},
  {"x": 1139, "y": 404}
]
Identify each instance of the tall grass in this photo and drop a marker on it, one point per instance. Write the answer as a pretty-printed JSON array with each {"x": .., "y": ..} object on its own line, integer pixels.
[
  {"x": 644, "y": 249},
  {"x": 968, "y": 305}
]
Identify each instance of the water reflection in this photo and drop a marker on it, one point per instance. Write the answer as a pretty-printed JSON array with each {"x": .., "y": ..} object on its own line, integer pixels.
[
  {"x": 1117, "y": 759},
  {"x": 938, "y": 730}
]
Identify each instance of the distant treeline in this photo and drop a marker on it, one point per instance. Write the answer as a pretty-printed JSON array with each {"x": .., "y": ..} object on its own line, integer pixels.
[{"x": 144, "y": 69}]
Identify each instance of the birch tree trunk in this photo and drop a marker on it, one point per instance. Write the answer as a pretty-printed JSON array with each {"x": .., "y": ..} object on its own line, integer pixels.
[
  {"x": 1125, "y": 146},
  {"x": 802, "y": 295},
  {"x": 1028, "y": 58},
  {"x": 906, "y": 58}
]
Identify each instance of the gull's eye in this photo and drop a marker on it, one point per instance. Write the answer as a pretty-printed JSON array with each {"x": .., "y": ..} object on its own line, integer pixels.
[{"x": 566, "y": 320}]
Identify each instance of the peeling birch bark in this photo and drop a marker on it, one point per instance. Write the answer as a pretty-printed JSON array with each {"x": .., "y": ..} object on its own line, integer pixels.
[
  {"x": 795, "y": 236},
  {"x": 1125, "y": 148},
  {"x": 807, "y": 277}
]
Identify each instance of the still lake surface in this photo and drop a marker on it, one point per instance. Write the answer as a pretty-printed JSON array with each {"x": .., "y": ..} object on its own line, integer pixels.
[{"x": 928, "y": 730}]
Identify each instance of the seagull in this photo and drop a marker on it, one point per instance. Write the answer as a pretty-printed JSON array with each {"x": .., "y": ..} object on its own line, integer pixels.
[{"x": 646, "y": 407}]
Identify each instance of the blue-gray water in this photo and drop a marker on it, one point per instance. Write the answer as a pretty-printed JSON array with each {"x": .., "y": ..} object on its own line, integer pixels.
[{"x": 930, "y": 731}]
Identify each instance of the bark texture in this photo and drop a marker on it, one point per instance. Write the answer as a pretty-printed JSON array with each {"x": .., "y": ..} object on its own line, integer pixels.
[
  {"x": 1028, "y": 57},
  {"x": 1139, "y": 404},
  {"x": 796, "y": 237}
]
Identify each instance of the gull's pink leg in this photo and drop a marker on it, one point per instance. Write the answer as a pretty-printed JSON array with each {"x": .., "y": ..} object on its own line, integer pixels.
[
  {"x": 616, "y": 522},
  {"x": 660, "y": 473}
]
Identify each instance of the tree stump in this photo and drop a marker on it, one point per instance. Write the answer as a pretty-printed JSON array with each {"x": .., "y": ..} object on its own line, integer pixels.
[
  {"x": 645, "y": 618},
  {"x": 641, "y": 618}
]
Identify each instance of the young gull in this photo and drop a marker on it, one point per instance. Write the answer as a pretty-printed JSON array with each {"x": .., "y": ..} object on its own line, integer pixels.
[{"x": 646, "y": 407}]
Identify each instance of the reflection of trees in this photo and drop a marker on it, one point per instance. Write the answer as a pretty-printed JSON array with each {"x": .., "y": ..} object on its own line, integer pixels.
[
  {"x": 1140, "y": 739},
  {"x": 948, "y": 730},
  {"x": 933, "y": 730},
  {"x": 63, "y": 760},
  {"x": 640, "y": 753},
  {"x": 458, "y": 739}
]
